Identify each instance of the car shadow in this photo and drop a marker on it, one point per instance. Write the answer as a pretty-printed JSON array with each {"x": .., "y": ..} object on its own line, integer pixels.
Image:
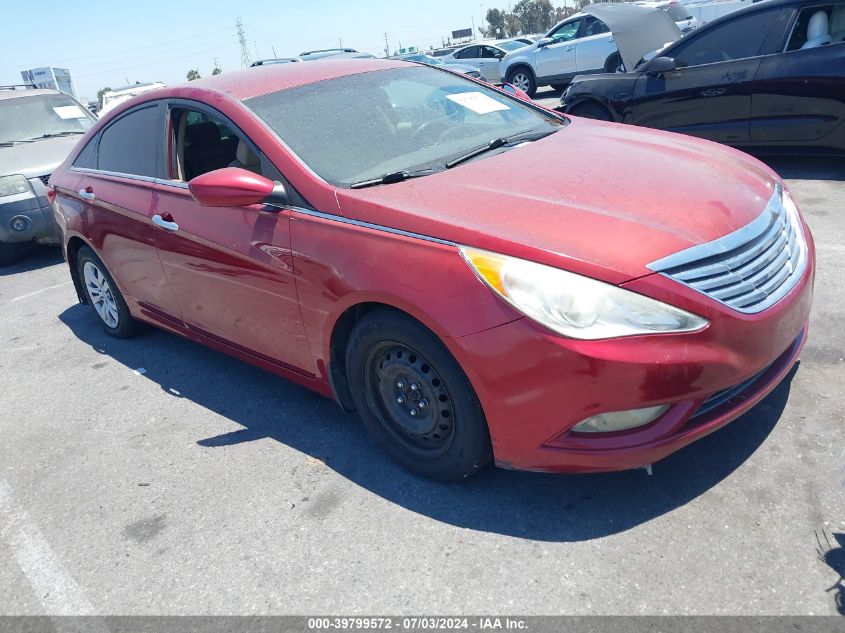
[
  {"x": 807, "y": 167},
  {"x": 37, "y": 256},
  {"x": 544, "y": 507},
  {"x": 831, "y": 551}
]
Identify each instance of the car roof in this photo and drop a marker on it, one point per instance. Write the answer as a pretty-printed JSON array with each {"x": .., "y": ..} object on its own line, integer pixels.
[
  {"x": 252, "y": 82},
  {"x": 27, "y": 92}
]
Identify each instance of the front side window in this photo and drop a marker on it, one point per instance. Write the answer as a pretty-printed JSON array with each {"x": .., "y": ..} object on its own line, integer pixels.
[
  {"x": 130, "y": 144},
  {"x": 818, "y": 26},
  {"x": 739, "y": 38},
  {"x": 204, "y": 143},
  {"x": 33, "y": 117},
  {"x": 363, "y": 126},
  {"x": 488, "y": 52}
]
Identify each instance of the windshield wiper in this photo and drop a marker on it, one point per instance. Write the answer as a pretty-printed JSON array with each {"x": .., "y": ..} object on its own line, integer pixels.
[
  {"x": 391, "y": 177},
  {"x": 496, "y": 143},
  {"x": 55, "y": 134},
  {"x": 11, "y": 143}
]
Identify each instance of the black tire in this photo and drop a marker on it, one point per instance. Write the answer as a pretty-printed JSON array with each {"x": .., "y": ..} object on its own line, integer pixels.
[
  {"x": 523, "y": 78},
  {"x": 395, "y": 366},
  {"x": 12, "y": 252},
  {"x": 592, "y": 111},
  {"x": 106, "y": 295},
  {"x": 613, "y": 64}
]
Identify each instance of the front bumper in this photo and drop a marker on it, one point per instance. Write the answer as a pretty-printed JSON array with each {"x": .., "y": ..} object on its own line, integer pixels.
[
  {"x": 27, "y": 217},
  {"x": 534, "y": 386}
]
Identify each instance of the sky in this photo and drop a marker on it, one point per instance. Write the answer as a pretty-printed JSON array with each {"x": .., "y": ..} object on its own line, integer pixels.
[{"x": 115, "y": 42}]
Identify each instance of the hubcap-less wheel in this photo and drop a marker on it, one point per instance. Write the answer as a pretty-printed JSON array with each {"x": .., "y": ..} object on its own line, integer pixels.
[
  {"x": 409, "y": 398},
  {"x": 100, "y": 294},
  {"x": 522, "y": 81}
]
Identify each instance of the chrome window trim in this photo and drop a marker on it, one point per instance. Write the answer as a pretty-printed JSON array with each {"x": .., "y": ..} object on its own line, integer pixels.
[
  {"x": 773, "y": 211},
  {"x": 103, "y": 172}
]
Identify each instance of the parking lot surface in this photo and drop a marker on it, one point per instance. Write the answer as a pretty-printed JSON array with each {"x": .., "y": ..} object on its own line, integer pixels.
[{"x": 155, "y": 476}]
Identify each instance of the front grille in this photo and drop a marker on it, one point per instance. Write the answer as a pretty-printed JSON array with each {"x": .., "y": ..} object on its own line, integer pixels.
[
  {"x": 45, "y": 179},
  {"x": 750, "y": 269}
]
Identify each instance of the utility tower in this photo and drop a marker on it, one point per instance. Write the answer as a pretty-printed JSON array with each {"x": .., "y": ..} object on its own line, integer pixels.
[{"x": 246, "y": 60}]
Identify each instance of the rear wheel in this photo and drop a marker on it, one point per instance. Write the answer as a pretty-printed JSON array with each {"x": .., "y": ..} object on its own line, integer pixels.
[
  {"x": 104, "y": 297},
  {"x": 523, "y": 79},
  {"x": 414, "y": 399},
  {"x": 592, "y": 111},
  {"x": 12, "y": 252}
]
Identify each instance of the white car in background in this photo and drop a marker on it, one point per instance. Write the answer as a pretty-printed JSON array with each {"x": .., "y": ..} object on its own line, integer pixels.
[
  {"x": 485, "y": 57},
  {"x": 114, "y": 98},
  {"x": 585, "y": 43}
]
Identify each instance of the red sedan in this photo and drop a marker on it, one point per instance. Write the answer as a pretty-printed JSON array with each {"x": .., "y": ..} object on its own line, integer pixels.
[{"x": 479, "y": 278}]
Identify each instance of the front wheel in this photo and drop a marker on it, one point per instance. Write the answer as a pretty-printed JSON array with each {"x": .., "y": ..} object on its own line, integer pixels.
[
  {"x": 592, "y": 111},
  {"x": 414, "y": 399},
  {"x": 524, "y": 80},
  {"x": 104, "y": 297}
]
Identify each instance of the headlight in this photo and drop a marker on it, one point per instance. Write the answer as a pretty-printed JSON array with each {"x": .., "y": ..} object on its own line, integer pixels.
[
  {"x": 573, "y": 305},
  {"x": 11, "y": 185}
]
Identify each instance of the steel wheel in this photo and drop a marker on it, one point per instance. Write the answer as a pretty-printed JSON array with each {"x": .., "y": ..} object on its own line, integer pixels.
[
  {"x": 100, "y": 294},
  {"x": 409, "y": 398}
]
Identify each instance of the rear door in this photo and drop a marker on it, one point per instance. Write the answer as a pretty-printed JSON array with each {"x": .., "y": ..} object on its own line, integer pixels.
[
  {"x": 800, "y": 92},
  {"x": 556, "y": 61},
  {"x": 231, "y": 267},
  {"x": 593, "y": 46},
  {"x": 117, "y": 173},
  {"x": 709, "y": 94}
]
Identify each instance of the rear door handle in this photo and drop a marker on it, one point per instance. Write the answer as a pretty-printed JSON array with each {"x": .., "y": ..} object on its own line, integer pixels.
[
  {"x": 167, "y": 226},
  {"x": 87, "y": 193}
]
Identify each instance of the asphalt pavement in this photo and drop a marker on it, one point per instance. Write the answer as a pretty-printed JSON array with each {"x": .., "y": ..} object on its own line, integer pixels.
[{"x": 155, "y": 476}]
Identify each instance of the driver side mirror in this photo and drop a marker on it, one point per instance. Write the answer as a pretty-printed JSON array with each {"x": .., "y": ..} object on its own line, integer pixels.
[
  {"x": 544, "y": 41},
  {"x": 660, "y": 65},
  {"x": 235, "y": 187}
]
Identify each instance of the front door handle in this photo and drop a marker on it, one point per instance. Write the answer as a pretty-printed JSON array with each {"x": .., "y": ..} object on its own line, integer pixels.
[
  {"x": 167, "y": 226},
  {"x": 87, "y": 193},
  {"x": 569, "y": 48}
]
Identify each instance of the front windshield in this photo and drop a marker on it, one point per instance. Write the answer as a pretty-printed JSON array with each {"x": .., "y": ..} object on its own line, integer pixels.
[
  {"x": 363, "y": 126},
  {"x": 38, "y": 116}
]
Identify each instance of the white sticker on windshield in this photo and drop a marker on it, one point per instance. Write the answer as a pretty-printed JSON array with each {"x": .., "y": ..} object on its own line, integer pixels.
[
  {"x": 70, "y": 112},
  {"x": 478, "y": 102}
]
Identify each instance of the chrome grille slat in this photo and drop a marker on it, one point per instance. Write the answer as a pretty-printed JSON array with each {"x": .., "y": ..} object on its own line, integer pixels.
[{"x": 750, "y": 269}]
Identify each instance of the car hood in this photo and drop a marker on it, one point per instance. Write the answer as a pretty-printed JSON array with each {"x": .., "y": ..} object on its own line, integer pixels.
[
  {"x": 596, "y": 198},
  {"x": 37, "y": 158},
  {"x": 637, "y": 30}
]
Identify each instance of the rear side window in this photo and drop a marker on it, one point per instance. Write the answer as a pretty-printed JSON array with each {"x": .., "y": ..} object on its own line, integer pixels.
[
  {"x": 130, "y": 144},
  {"x": 736, "y": 39},
  {"x": 471, "y": 52},
  {"x": 88, "y": 156}
]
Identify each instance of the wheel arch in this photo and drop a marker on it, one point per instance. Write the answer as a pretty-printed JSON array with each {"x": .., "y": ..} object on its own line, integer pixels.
[
  {"x": 72, "y": 247},
  {"x": 593, "y": 100},
  {"x": 338, "y": 340}
]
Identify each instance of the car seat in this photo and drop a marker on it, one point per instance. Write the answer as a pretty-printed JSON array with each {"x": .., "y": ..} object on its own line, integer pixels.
[
  {"x": 818, "y": 30},
  {"x": 245, "y": 158},
  {"x": 204, "y": 150}
]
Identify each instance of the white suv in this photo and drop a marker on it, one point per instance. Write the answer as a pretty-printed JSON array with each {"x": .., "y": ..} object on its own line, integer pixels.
[{"x": 583, "y": 44}]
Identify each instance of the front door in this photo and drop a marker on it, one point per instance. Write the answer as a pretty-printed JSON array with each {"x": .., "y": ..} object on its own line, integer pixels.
[
  {"x": 556, "y": 61},
  {"x": 709, "y": 94},
  {"x": 231, "y": 267}
]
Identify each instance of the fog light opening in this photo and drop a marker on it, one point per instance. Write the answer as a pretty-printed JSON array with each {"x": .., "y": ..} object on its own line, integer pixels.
[{"x": 614, "y": 421}]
